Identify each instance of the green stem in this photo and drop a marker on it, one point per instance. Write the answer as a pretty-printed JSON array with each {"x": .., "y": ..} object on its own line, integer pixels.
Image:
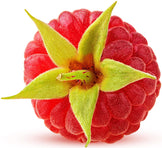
[{"x": 84, "y": 76}]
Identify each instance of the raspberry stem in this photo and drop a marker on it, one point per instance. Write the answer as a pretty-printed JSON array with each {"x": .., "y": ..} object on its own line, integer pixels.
[{"x": 84, "y": 76}]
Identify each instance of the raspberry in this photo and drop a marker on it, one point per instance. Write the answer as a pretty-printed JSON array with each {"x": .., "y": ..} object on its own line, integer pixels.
[
  {"x": 102, "y": 91},
  {"x": 117, "y": 113}
]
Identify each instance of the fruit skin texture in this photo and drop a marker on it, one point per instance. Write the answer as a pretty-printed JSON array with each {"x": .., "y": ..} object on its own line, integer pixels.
[{"x": 117, "y": 113}]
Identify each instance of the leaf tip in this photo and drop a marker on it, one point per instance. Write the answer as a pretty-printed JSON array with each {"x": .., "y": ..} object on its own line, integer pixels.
[
  {"x": 28, "y": 13},
  {"x": 151, "y": 76},
  {"x": 32, "y": 17},
  {"x": 114, "y": 4},
  {"x": 148, "y": 75},
  {"x": 6, "y": 98},
  {"x": 88, "y": 141}
]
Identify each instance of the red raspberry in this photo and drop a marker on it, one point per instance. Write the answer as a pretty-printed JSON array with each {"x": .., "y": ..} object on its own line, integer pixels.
[{"x": 116, "y": 114}]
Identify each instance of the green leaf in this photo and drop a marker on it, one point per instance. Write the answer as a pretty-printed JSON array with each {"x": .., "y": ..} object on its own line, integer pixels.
[
  {"x": 60, "y": 50},
  {"x": 83, "y": 102},
  {"x": 94, "y": 38},
  {"x": 45, "y": 86},
  {"x": 117, "y": 75}
]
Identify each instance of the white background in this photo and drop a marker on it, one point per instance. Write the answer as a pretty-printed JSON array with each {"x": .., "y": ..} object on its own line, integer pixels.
[{"x": 19, "y": 126}]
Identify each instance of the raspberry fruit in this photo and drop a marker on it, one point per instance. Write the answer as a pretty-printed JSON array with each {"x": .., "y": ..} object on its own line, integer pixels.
[{"x": 117, "y": 112}]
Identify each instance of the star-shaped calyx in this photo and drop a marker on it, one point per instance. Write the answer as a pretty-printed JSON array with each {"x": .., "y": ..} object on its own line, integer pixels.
[{"x": 80, "y": 73}]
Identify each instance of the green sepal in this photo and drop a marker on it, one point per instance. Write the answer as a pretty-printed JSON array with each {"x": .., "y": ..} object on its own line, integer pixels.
[
  {"x": 94, "y": 38},
  {"x": 83, "y": 102},
  {"x": 117, "y": 75},
  {"x": 45, "y": 86},
  {"x": 60, "y": 50}
]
